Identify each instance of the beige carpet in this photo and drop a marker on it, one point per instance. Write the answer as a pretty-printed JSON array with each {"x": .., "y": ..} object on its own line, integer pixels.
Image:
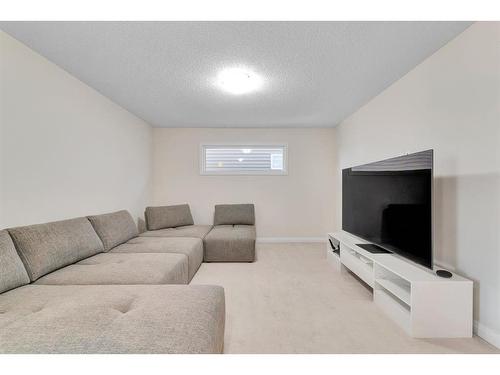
[{"x": 292, "y": 301}]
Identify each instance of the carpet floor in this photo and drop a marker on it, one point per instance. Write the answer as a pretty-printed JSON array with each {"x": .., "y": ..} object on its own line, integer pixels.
[{"x": 291, "y": 300}]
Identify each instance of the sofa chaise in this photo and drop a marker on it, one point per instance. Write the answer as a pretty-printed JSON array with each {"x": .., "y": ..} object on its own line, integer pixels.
[
  {"x": 232, "y": 238},
  {"x": 92, "y": 285},
  {"x": 124, "y": 319}
]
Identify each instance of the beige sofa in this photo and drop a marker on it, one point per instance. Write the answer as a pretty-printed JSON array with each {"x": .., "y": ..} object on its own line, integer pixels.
[
  {"x": 92, "y": 285},
  {"x": 231, "y": 238}
]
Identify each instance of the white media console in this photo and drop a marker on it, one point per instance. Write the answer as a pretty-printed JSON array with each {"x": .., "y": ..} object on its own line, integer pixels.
[{"x": 422, "y": 303}]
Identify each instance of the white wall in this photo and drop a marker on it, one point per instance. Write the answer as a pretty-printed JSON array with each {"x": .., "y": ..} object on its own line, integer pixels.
[
  {"x": 296, "y": 205},
  {"x": 450, "y": 103},
  {"x": 65, "y": 150}
]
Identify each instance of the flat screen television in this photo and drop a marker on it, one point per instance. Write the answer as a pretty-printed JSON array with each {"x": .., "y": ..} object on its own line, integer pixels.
[{"x": 389, "y": 203}]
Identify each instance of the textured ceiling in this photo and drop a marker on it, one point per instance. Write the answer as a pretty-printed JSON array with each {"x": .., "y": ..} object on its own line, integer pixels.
[{"x": 315, "y": 73}]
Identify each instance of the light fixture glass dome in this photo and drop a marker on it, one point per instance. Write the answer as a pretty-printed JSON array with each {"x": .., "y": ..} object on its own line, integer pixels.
[{"x": 238, "y": 80}]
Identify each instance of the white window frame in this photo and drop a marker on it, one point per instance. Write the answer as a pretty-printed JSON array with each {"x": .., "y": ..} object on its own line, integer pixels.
[{"x": 202, "y": 159}]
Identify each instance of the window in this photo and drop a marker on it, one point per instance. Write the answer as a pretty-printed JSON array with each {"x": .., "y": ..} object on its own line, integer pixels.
[{"x": 243, "y": 159}]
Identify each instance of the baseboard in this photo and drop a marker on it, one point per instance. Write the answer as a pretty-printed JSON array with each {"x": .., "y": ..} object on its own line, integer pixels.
[
  {"x": 290, "y": 239},
  {"x": 487, "y": 334}
]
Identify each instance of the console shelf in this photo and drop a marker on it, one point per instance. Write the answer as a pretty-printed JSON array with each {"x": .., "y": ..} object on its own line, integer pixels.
[
  {"x": 398, "y": 287},
  {"x": 420, "y": 302}
]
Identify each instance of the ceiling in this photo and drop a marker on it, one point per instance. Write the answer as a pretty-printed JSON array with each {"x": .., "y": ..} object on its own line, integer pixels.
[{"x": 313, "y": 73}]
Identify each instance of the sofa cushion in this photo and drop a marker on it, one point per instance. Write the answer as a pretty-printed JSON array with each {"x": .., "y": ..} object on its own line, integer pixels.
[
  {"x": 112, "y": 319},
  {"x": 230, "y": 243},
  {"x": 114, "y": 228},
  {"x": 12, "y": 271},
  {"x": 226, "y": 214},
  {"x": 196, "y": 231},
  {"x": 44, "y": 248},
  {"x": 122, "y": 269},
  {"x": 168, "y": 216},
  {"x": 190, "y": 247}
]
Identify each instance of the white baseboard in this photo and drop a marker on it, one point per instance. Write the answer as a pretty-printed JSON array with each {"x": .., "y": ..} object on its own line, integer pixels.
[
  {"x": 487, "y": 334},
  {"x": 290, "y": 239}
]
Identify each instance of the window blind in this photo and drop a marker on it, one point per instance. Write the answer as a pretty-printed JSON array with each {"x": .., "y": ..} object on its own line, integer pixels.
[{"x": 243, "y": 159}]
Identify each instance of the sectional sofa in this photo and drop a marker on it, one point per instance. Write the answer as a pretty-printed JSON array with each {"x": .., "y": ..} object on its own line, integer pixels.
[{"x": 96, "y": 285}]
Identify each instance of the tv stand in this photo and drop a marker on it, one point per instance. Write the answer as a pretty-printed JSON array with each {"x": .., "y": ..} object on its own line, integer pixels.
[
  {"x": 422, "y": 303},
  {"x": 374, "y": 249}
]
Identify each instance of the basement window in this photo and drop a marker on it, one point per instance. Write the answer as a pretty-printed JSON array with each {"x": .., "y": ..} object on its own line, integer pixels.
[{"x": 243, "y": 159}]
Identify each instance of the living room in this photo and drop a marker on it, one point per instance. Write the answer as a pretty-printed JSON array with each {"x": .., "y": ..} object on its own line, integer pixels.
[{"x": 208, "y": 186}]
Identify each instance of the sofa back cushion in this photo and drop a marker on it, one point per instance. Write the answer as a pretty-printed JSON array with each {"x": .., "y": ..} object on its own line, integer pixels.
[
  {"x": 234, "y": 214},
  {"x": 44, "y": 248},
  {"x": 114, "y": 228},
  {"x": 168, "y": 216},
  {"x": 12, "y": 271}
]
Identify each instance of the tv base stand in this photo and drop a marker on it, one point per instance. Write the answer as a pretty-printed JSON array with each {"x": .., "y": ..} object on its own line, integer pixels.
[
  {"x": 373, "y": 249},
  {"x": 419, "y": 301}
]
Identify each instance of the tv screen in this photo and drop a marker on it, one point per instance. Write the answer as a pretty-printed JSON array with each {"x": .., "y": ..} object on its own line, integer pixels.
[{"x": 389, "y": 203}]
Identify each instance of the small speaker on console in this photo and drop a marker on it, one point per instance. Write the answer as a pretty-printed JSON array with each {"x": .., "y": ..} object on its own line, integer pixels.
[{"x": 444, "y": 273}]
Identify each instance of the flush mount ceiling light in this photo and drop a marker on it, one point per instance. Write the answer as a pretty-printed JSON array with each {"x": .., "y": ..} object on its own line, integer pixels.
[{"x": 238, "y": 80}]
